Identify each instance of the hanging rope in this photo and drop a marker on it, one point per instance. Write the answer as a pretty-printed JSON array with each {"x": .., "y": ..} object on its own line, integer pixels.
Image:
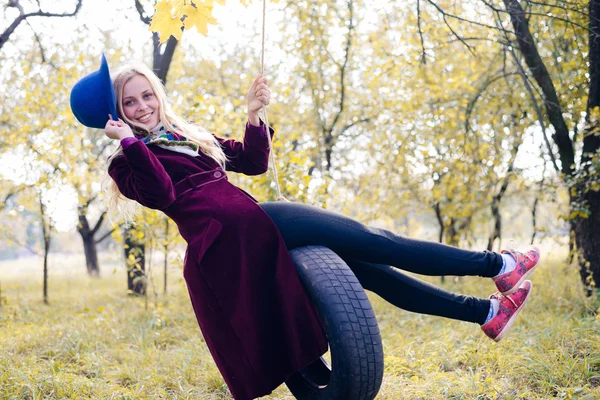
[{"x": 264, "y": 109}]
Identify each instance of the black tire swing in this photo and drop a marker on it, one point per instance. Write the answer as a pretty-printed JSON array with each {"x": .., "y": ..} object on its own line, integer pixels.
[
  {"x": 345, "y": 311},
  {"x": 351, "y": 328}
]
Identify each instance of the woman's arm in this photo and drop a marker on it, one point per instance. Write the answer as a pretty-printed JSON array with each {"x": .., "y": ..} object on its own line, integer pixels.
[
  {"x": 250, "y": 157},
  {"x": 141, "y": 177}
]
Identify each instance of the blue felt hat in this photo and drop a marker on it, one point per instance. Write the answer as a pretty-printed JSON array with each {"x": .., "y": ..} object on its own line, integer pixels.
[{"x": 93, "y": 98}]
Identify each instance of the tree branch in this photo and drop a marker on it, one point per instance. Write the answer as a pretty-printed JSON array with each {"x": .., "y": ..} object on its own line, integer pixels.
[
  {"x": 344, "y": 66},
  {"x": 11, "y": 194},
  {"x": 37, "y": 39},
  {"x": 107, "y": 234},
  {"x": 456, "y": 35},
  {"x": 473, "y": 102},
  {"x": 98, "y": 223},
  {"x": 536, "y": 107},
  {"x": 346, "y": 127},
  {"x": 529, "y": 13},
  {"x": 541, "y": 75},
  {"x": 22, "y": 17},
  {"x": 25, "y": 246},
  {"x": 423, "y": 55},
  {"x": 140, "y": 9},
  {"x": 444, "y": 13},
  {"x": 574, "y": 9},
  {"x": 544, "y": 80}
]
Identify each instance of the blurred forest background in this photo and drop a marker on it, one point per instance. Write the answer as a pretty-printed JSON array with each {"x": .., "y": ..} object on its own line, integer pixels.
[{"x": 469, "y": 122}]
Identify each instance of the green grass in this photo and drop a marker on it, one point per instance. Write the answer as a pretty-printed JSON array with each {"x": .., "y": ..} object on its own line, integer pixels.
[{"x": 95, "y": 342}]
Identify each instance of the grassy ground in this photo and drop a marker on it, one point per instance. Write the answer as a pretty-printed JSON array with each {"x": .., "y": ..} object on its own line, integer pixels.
[{"x": 93, "y": 341}]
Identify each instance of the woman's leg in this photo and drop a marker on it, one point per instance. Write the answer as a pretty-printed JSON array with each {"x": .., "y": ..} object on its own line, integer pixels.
[
  {"x": 302, "y": 225},
  {"x": 412, "y": 294}
]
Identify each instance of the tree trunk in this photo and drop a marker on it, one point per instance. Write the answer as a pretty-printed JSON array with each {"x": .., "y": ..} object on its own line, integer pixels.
[
  {"x": 91, "y": 255},
  {"x": 89, "y": 245},
  {"x": 162, "y": 56},
  {"x": 46, "y": 247},
  {"x": 135, "y": 261},
  {"x": 88, "y": 237},
  {"x": 594, "y": 66},
  {"x": 453, "y": 236},
  {"x": 46, "y": 233},
  {"x": 572, "y": 248},
  {"x": 534, "y": 219},
  {"x": 587, "y": 236},
  {"x": 440, "y": 219},
  {"x": 497, "y": 232},
  {"x": 536, "y": 202},
  {"x": 587, "y": 230}
]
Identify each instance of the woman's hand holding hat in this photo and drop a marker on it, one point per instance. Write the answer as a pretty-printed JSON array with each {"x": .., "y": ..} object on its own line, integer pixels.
[{"x": 118, "y": 130}]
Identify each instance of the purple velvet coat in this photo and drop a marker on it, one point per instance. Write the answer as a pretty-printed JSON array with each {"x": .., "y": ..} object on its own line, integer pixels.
[{"x": 256, "y": 318}]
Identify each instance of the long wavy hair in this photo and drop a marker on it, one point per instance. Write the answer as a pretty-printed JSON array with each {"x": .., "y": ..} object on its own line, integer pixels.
[{"x": 206, "y": 142}]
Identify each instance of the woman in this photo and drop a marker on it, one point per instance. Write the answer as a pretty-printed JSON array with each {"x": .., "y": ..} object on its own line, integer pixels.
[{"x": 257, "y": 321}]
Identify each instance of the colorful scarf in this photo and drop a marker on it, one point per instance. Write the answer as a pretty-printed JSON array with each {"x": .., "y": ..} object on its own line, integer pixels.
[{"x": 160, "y": 136}]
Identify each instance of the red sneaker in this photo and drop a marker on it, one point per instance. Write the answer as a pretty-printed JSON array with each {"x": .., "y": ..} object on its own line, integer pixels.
[
  {"x": 508, "y": 309},
  {"x": 526, "y": 262}
]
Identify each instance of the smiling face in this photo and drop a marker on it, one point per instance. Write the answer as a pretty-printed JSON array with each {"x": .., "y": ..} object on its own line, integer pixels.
[{"x": 140, "y": 103}]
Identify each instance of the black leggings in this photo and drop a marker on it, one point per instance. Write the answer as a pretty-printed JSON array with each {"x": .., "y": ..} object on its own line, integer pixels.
[{"x": 375, "y": 256}]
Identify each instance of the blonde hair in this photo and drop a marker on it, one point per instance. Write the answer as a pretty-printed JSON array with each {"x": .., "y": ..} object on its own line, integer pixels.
[{"x": 206, "y": 142}]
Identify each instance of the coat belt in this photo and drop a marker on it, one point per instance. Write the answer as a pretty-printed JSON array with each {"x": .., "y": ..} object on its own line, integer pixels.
[{"x": 194, "y": 181}]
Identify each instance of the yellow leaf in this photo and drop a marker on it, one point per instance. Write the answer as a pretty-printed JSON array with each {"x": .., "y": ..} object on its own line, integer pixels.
[
  {"x": 164, "y": 22},
  {"x": 199, "y": 16}
]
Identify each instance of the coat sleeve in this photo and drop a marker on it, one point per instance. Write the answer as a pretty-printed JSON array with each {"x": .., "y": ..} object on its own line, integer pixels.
[
  {"x": 250, "y": 157},
  {"x": 140, "y": 176}
]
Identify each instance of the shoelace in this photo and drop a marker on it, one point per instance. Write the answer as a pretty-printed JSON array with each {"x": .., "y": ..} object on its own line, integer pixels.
[
  {"x": 500, "y": 296},
  {"x": 515, "y": 253}
]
